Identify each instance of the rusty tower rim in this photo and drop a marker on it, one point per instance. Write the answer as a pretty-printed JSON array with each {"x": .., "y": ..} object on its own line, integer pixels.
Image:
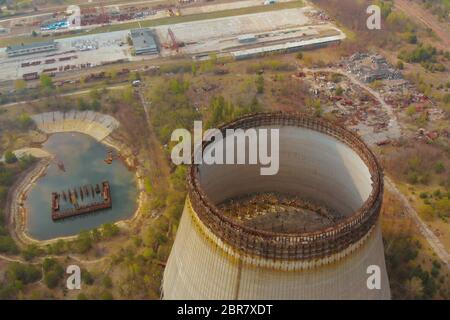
[{"x": 296, "y": 245}]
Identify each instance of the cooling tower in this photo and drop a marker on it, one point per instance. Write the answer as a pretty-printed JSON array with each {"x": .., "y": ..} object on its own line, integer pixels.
[{"x": 281, "y": 256}]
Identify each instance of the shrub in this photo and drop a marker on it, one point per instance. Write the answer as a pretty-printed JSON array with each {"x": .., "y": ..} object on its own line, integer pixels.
[{"x": 10, "y": 157}]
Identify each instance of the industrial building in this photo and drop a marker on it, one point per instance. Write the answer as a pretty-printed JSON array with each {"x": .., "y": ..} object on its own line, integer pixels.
[
  {"x": 31, "y": 48},
  {"x": 290, "y": 46},
  {"x": 217, "y": 256},
  {"x": 144, "y": 41}
]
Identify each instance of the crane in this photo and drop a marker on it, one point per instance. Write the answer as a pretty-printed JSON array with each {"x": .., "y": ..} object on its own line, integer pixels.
[{"x": 172, "y": 43}]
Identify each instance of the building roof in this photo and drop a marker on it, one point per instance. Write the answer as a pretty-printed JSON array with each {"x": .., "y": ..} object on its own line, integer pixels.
[
  {"x": 30, "y": 45},
  {"x": 285, "y": 46},
  {"x": 143, "y": 39}
]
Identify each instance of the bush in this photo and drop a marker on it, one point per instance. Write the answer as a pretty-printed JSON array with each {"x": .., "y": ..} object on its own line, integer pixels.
[
  {"x": 87, "y": 277},
  {"x": 339, "y": 91},
  {"x": 24, "y": 121},
  {"x": 259, "y": 84},
  {"x": 413, "y": 178},
  {"x": 83, "y": 243},
  {"x": 31, "y": 251},
  {"x": 427, "y": 212},
  {"x": 423, "y": 195},
  {"x": 53, "y": 272},
  {"x": 109, "y": 230},
  {"x": 25, "y": 273},
  {"x": 7, "y": 245},
  {"x": 10, "y": 157}
]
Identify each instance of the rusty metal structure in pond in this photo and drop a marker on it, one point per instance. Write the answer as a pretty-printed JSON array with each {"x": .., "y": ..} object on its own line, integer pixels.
[
  {"x": 110, "y": 157},
  {"x": 80, "y": 201},
  {"x": 216, "y": 256}
]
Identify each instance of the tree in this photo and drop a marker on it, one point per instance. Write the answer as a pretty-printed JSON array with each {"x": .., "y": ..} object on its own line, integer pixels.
[
  {"x": 95, "y": 105},
  {"x": 259, "y": 84},
  {"x": 7, "y": 245},
  {"x": 106, "y": 295},
  {"x": 400, "y": 65},
  {"x": 83, "y": 242},
  {"x": 10, "y": 157},
  {"x": 24, "y": 121},
  {"x": 46, "y": 81},
  {"x": 194, "y": 69},
  {"x": 87, "y": 277},
  {"x": 427, "y": 212},
  {"x": 53, "y": 272},
  {"x": 112, "y": 74},
  {"x": 109, "y": 230},
  {"x": 414, "y": 288},
  {"x": 25, "y": 273},
  {"x": 31, "y": 251},
  {"x": 339, "y": 91},
  {"x": 439, "y": 167}
]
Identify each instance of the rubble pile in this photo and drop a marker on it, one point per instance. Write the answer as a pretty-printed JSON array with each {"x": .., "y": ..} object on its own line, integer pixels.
[
  {"x": 268, "y": 210},
  {"x": 370, "y": 67}
]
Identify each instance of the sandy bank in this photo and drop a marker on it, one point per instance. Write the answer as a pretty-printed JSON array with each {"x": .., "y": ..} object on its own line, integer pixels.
[{"x": 96, "y": 125}]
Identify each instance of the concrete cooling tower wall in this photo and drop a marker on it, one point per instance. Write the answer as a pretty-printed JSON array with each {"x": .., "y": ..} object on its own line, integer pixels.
[
  {"x": 217, "y": 257},
  {"x": 97, "y": 125}
]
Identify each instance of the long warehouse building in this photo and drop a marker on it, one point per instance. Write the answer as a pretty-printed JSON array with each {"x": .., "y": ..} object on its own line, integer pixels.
[{"x": 31, "y": 48}]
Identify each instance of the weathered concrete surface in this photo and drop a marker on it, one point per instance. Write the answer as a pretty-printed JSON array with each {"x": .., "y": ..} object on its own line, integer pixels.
[
  {"x": 312, "y": 165},
  {"x": 97, "y": 125},
  {"x": 199, "y": 268}
]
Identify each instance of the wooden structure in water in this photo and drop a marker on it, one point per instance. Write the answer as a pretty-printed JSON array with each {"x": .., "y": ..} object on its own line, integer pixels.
[{"x": 75, "y": 209}]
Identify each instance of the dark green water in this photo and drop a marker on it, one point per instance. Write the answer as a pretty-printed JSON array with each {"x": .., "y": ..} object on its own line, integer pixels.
[{"x": 83, "y": 161}]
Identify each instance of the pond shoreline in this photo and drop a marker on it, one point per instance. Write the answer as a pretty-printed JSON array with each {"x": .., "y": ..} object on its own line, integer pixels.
[{"x": 16, "y": 207}]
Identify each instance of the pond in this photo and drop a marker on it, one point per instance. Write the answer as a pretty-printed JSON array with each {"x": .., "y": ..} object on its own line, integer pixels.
[{"x": 83, "y": 164}]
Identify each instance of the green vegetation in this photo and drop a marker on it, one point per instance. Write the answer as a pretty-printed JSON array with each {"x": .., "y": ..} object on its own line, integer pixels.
[
  {"x": 46, "y": 82},
  {"x": 259, "y": 84},
  {"x": 8, "y": 173},
  {"x": 53, "y": 272},
  {"x": 224, "y": 111},
  {"x": 440, "y": 8},
  {"x": 172, "y": 109},
  {"x": 25, "y": 121},
  {"x": 10, "y": 157},
  {"x": 31, "y": 251},
  {"x": 270, "y": 65},
  {"x": 425, "y": 55},
  {"x": 16, "y": 277}
]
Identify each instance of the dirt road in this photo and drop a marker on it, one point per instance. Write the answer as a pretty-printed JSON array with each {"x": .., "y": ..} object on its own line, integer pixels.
[
  {"x": 432, "y": 239},
  {"x": 415, "y": 11},
  {"x": 394, "y": 127}
]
